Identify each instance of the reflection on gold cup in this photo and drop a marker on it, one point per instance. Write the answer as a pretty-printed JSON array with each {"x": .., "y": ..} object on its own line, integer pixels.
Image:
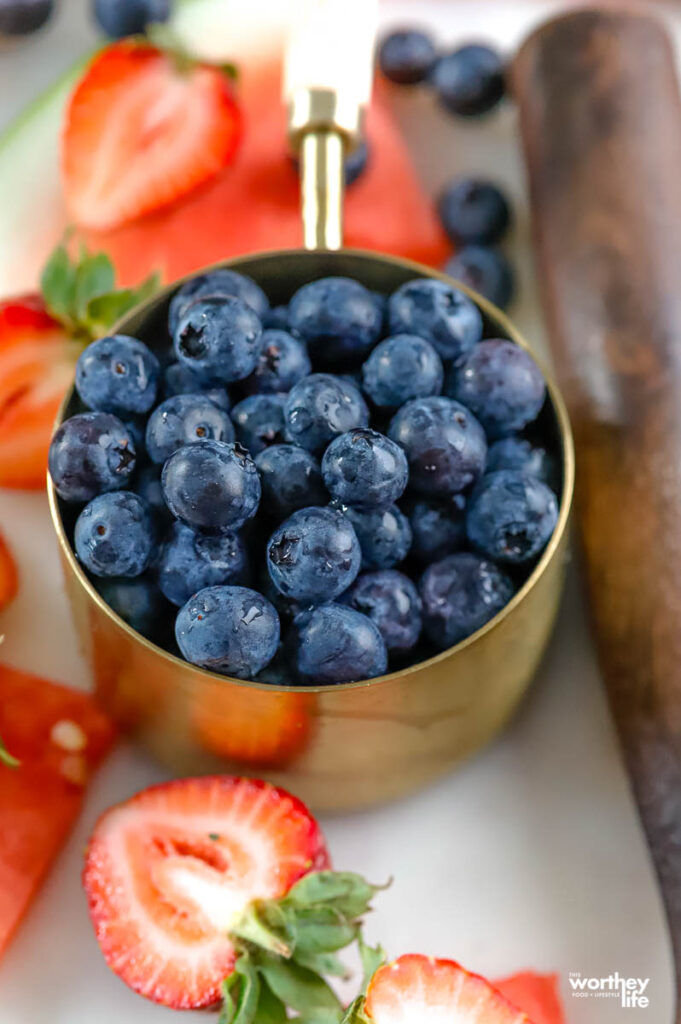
[{"x": 336, "y": 747}]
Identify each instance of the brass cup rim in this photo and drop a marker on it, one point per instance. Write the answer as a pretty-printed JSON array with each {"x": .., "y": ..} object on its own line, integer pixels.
[{"x": 567, "y": 464}]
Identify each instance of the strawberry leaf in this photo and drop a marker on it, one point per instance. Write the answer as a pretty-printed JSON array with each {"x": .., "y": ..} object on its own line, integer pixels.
[
  {"x": 58, "y": 285},
  {"x": 346, "y": 892},
  {"x": 372, "y": 958},
  {"x": 94, "y": 276},
  {"x": 6, "y": 758},
  {"x": 321, "y": 930},
  {"x": 80, "y": 294},
  {"x": 322, "y": 963},
  {"x": 241, "y": 994},
  {"x": 355, "y": 1013},
  {"x": 299, "y": 988},
  {"x": 270, "y": 1010},
  {"x": 103, "y": 311}
]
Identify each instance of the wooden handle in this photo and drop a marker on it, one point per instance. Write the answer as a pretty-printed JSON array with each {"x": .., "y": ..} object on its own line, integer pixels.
[{"x": 601, "y": 123}]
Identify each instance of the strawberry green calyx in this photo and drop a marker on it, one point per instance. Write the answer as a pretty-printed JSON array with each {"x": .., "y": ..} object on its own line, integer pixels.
[
  {"x": 355, "y": 1013},
  {"x": 287, "y": 947},
  {"x": 82, "y": 296},
  {"x": 163, "y": 37}
]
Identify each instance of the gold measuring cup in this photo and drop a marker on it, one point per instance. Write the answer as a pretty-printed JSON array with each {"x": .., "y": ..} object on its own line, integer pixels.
[{"x": 350, "y": 745}]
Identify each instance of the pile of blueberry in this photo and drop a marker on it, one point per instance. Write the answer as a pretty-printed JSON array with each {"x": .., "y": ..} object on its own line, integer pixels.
[{"x": 324, "y": 490}]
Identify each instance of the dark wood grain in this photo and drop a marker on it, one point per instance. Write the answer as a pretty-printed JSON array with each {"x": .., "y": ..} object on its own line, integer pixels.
[{"x": 601, "y": 123}]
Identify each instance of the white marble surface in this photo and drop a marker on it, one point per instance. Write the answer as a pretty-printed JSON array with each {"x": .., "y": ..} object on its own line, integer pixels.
[{"x": 531, "y": 855}]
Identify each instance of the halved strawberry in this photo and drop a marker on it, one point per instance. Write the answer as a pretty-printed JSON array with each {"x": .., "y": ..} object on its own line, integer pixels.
[
  {"x": 143, "y": 128},
  {"x": 41, "y": 337},
  {"x": 169, "y": 873},
  {"x": 418, "y": 989},
  {"x": 37, "y": 361},
  {"x": 9, "y": 577}
]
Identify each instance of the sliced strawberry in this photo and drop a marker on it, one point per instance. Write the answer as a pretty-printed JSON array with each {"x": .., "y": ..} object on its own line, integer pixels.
[
  {"x": 9, "y": 577},
  {"x": 421, "y": 990},
  {"x": 169, "y": 873},
  {"x": 141, "y": 130},
  {"x": 58, "y": 737},
  {"x": 238, "y": 725},
  {"x": 36, "y": 366}
]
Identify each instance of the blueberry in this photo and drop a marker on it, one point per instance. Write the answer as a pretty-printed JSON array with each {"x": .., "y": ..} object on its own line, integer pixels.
[
  {"x": 118, "y": 374},
  {"x": 180, "y": 380},
  {"x": 90, "y": 453},
  {"x": 137, "y": 601},
  {"x": 135, "y": 426},
  {"x": 473, "y": 212},
  {"x": 183, "y": 419},
  {"x": 211, "y": 486},
  {"x": 519, "y": 453},
  {"x": 444, "y": 444},
  {"x": 287, "y": 608},
  {"x": 438, "y": 527},
  {"x": 406, "y": 56},
  {"x": 338, "y": 319},
  {"x": 259, "y": 421},
  {"x": 291, "y": 478},
  {"x": 23, "y": 17},
  {"x": 119, "y": 18},
  {"x": 114, "y": 535},
  {"x": 216, "y": 284},
  {"x": 283, "y": 361},
  {"x": 232, "y": 630},
  {"x": 365, "y": 469},
  {"x": 485, "y": 270},
  {"x": 314, "y": 555},
  {"x": 219, "y": 339},
  {"x": 354, "y": 165},
  {"x": 148, "y": 486},
  {"x": 399, "y": 368},
  {"x": 460, "y": 594},
  {"x": 320, "y": 407},
  {"x": 511, "y": 516},
  {"x": 356, "y": 162},
  {"x": 191, "y": 561},
  {"x": 501, "y": 384},
  {"x": 384, "y": 537},
  {"x": 469, "y": 81},
  {"x": 277, "y": 673},
  {"x": 391, "y": 601},
  {"x": 443, "y": 315},
  {"x": 336, "y": 644},
  {"x": 276, "y": 319}
]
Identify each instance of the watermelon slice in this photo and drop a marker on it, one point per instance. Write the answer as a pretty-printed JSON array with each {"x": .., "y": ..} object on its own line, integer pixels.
[
  {"x": 253, "y": 206},
  {"x": 58, "y": 737}
]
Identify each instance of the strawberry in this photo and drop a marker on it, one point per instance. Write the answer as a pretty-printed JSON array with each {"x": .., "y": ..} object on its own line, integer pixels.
[
  {"x": 218, "y": 885},
  {"x": 41, "y": 337},
  {"x": 143, "y": 128},
  {"x": 418, "y": 989},
  {"x": 9, "y": 577}
]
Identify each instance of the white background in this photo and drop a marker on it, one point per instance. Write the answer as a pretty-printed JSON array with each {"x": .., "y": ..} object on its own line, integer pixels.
[{"x": 529, "y": 856}]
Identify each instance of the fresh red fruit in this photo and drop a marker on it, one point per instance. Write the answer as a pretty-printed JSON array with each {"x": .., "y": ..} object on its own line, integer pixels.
[
  {"x": 142, "y": 129},
  {"x": 168, "y": 873},
  {"x": 419, "y": 990},
  {"x": 255, "y": 204},
  {"x": 537, "y": 994},
  {"x": 58, "y": 736},
  {"x": 37, "y": 362},
  {"x": 9, "y": 577}
]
